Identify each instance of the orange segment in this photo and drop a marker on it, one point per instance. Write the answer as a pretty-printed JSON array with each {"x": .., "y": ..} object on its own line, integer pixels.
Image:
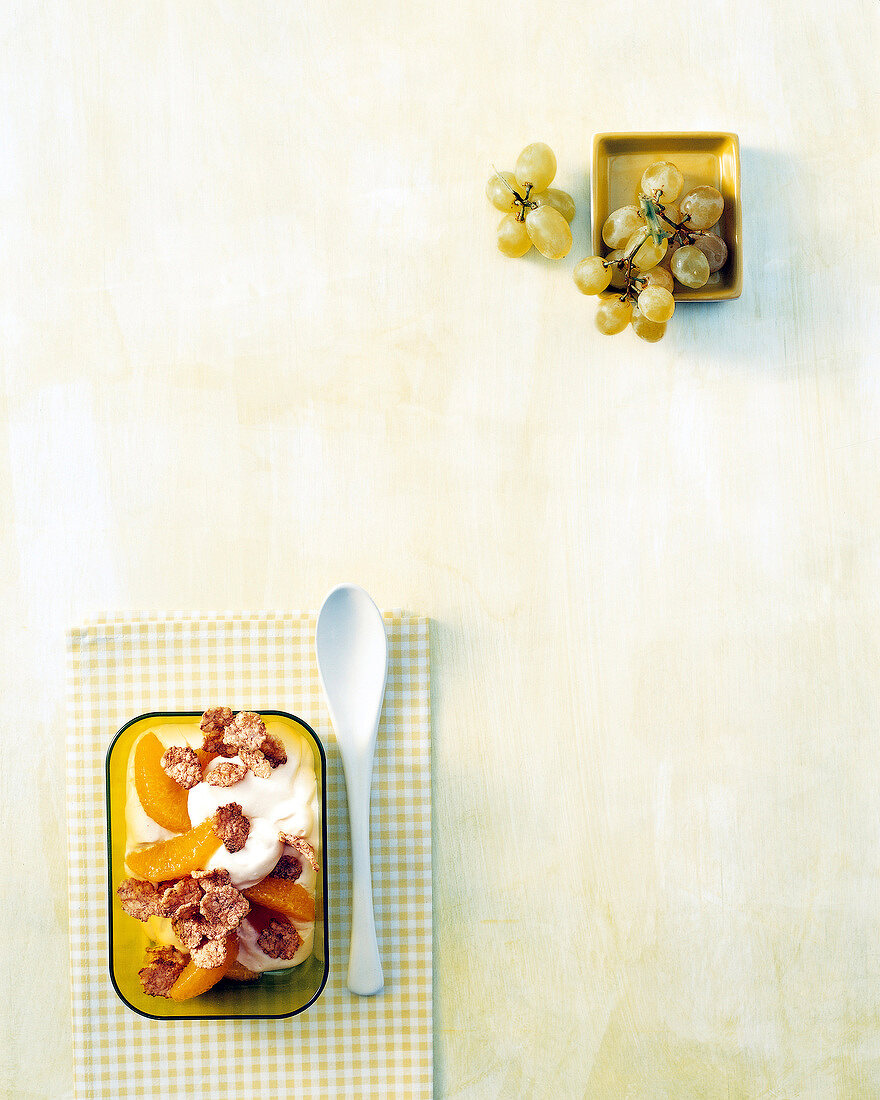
[
  {"x": 205, "y": 758},
  {"x": 162, "y": 799},
  {"x": 194, "y": 981},
  {"x": 175, "y": 857},
  {"x": 283, "y": 896},
  {"x": 239, "y": 973}
]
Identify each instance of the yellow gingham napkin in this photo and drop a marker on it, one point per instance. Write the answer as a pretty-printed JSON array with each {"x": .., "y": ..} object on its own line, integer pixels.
[{"x": 343, "y": 1045}]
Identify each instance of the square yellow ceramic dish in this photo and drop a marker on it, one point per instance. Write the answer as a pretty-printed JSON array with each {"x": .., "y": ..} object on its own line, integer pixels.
[
  {"x": 704, "y": 158},
  {"x": 276, "y": 995}
]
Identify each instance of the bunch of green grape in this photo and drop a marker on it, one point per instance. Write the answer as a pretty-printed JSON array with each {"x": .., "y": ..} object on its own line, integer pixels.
[
  {"x": 653, "y": 246},
  {"x": 534, "y": 212}
]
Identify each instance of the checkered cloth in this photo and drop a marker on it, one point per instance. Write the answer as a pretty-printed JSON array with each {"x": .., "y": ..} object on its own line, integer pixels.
[{"x": 343, "y": 1045}]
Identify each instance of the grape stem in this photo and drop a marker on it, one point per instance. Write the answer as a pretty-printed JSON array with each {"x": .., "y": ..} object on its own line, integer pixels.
[
  {"x": 630, "y": 290},
  {"x": 522, "y": 201},
  {"x": 624, "y": 259},
  {"x": 679, "y": 229}
]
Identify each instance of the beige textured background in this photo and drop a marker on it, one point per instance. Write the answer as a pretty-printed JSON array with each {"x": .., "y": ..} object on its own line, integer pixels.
[{"x": 256, "y": 339}]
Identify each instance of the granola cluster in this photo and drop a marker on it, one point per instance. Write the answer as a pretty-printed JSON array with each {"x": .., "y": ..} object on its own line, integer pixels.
[
  {"x": 204, "y": 908},
  {"x": 139, "y": 899},
  {"x": 214, "y": 721},
  {"x": 279, "y": 939},
  {"x": 243, "y": 735},
  {"x": 231, "y": 826},
  {"x": 226, "y": 734},
  {"x": 301, "y": 845},
  {"x": 181, "y": 899},
  {"x": 288, "y": 867},
  {"x": 181, "y": 764},
  {"x": 226, "y": 774},
  {"x": 164, "y": 967}
]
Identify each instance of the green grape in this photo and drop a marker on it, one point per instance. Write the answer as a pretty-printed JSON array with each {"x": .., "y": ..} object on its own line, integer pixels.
[
  {"x": 513, "y": 240},
  {"x": 536, "y": 165},
  {"x": 657, "y": 276},
  {"x": 560, "y": 200},
  {"x": 591, "y": 276},
  {"x": 652, "y": 331},
  {"x": 618, "y": 278},
  {"x": 701, "y": 207},
  {"x": 672, "y": 213},
  {"x": 550, "y": 233},
  {"x": 613, "y": 316},
  {"x": 656, "y": 304},
  {"x": 690, "y": 266},
  {"x": 714, "y": 279},
  {"x": 649, "y": 254},
  {"x": 500, "y": 195},
  {"x": 664, "y": 178},
  {"x": 620, "y": 226},
  {"x": 713, "y": 248}
]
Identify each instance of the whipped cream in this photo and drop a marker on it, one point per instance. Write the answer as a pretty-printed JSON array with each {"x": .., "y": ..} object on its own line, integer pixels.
[{"x": 281, "y": 803}]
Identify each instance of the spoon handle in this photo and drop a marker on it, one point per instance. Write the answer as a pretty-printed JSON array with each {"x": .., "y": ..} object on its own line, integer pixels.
[{"x": 364, "y": 965}]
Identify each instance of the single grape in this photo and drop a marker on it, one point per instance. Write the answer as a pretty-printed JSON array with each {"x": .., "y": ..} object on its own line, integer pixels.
[
  {"x": 701, "y": 207},
  {"x": 618, "y": 278},
  {"x": 645, "y": 329},
  {"x": 500, "y": 195},
  {"x": 549, "y": 231},
  {"x": 664, "y": 264},
  {"x": 714, "y": 279},
  {"x": 648, "y": 254},
  {"x": 671, "y": 213},
  {"x": 665, "y": 178},
  {"x": 591, "y": 276},
  {"x": 561, "y": 200},
  {"x": 620, "y": 226},
  {"x": 713, "y": 248},
  {"x": 613, "y": 316},
  {"x": 690, "y": 266},
  {"x": 656, "y": 304},
  {"x": 513, "y": 240},
  {"x": 536, "y": 165},
  {"x": 657, "y": 276}
]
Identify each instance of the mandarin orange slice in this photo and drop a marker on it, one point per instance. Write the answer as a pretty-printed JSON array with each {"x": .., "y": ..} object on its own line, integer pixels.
[
  {"x": 237, "y": 972},
  {"x": 194, "y": 981},
  {"x": 290, "y": 899},
  {"x": 205, "y": 758},
  {"x": 162, "y": 799},
  {"x": 175, "y": 857}
]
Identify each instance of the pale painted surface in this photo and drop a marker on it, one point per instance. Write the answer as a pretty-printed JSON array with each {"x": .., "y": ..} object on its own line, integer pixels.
[{"x": 256, "y": 340}]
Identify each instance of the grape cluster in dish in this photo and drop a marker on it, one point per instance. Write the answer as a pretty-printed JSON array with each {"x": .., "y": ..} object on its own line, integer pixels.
[{"x": 654, "y": 245}]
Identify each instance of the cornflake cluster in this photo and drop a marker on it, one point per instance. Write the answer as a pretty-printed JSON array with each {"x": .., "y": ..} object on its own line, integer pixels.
[
  {"x": 279, "y": 940},
  {"x": 164, "y": 965},
  {"x": 204, "y": 909},
  {"x": 243, "y": 735}
]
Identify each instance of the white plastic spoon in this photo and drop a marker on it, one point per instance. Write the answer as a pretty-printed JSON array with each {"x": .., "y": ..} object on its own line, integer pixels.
[{"x": 352, "y": 650}]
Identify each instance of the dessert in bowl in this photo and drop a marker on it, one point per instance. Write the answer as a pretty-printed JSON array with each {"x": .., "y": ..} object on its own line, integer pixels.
[{"x": 217, "y": 877}]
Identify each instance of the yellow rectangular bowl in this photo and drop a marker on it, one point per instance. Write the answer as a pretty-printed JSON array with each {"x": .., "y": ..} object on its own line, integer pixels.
[
  {"x": 704, "y": 158},
  {"x": 276, "y": 995}
]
